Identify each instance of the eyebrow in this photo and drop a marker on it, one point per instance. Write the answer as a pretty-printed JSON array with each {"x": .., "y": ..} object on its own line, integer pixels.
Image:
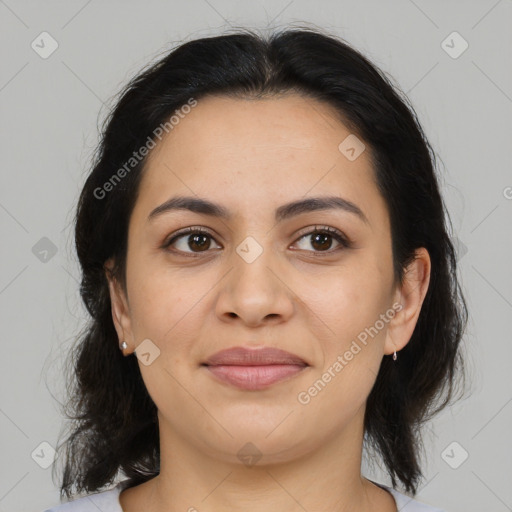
[{"x": 286, "y": 211}]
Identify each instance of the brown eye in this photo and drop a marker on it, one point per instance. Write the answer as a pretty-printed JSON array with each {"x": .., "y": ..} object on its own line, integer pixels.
[
  {"x": 202, "y": 242},
  {"x": 191, "y": 240},
  {"x": 322, "y": 239}
]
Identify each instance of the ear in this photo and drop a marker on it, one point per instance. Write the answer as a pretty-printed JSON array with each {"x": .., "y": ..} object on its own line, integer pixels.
[
  {"x": 120, "y": 309},
  {"x": 411, "y": 295}
]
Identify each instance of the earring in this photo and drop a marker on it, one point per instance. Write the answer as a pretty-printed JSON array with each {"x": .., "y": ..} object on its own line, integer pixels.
[
  {"x": 123, "y": 345},
  {"x": 394, "y": 356}
]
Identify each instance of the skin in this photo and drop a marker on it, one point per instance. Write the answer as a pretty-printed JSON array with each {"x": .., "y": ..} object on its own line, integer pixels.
[{"x": 252, "y": 156}]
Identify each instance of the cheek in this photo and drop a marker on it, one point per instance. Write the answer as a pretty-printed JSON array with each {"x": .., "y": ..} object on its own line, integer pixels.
[
  {"x": 350, "y": 305},
  {"x": 350, "y": 290},
  {"x": 150, "y": 306},
  {"x": 165, "y": 305},
  {"x": 351, "y": 349}
]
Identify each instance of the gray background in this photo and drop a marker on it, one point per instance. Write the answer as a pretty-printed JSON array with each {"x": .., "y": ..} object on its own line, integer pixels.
[{"x": 49, "y": 114}]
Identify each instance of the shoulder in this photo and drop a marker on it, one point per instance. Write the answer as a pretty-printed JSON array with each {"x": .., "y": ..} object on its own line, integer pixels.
[
  {"x": 407, "y": 504},
  {"x": 106, "y": 501}
]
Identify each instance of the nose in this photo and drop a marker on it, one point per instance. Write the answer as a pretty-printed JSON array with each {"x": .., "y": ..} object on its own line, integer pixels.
[{"x": 255, "y": 292}]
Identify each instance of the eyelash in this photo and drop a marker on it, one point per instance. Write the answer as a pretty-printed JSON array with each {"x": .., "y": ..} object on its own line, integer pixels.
[{"x": 337, "y": 235}]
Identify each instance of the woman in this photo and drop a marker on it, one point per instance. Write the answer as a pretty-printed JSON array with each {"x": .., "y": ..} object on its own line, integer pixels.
[{"x": 263, "y": 230}]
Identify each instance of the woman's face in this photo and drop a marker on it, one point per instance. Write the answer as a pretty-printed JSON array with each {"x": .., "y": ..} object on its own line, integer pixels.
[{"x": 254, "y": 279}]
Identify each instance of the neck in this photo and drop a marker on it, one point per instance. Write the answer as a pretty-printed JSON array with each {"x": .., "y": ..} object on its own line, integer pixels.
[{"x": 206, "y": 479}]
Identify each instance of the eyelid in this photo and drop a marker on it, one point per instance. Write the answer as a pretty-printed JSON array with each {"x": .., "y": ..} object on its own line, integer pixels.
[{"x": 325, "y": 229}]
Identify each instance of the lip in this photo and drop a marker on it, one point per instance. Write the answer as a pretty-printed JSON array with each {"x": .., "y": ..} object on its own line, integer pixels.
[
  {"x": 242, "y": 356},
  {"x": 254, "y": 369}
]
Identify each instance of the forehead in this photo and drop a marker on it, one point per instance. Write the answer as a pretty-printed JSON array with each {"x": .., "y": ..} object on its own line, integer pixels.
[
  {"x": 258, "y": 150},
  {"x": 288, "y": 120}
]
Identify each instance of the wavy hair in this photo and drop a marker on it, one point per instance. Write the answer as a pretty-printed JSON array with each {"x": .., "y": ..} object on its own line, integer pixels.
[{"x": 114, "y": 424}]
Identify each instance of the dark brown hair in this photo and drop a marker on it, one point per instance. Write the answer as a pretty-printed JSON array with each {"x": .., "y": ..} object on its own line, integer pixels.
[{"x": 114, "y": 425}]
